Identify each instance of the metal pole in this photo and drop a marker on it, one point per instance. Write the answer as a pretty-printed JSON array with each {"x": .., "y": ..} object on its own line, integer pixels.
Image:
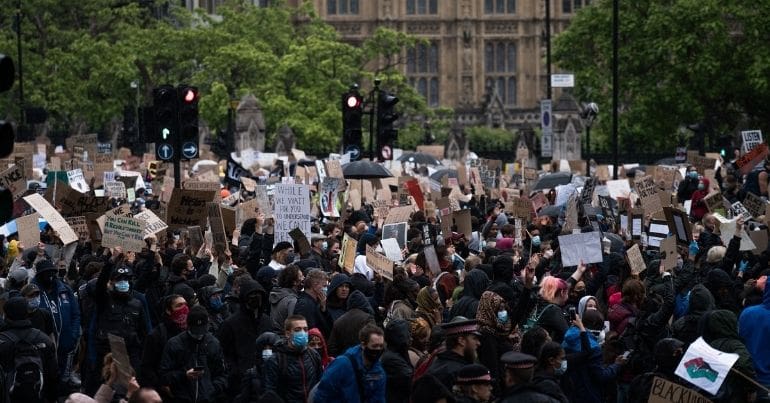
[
  {"x": 21, "y": 70},
  {"x": 177, "y": 172},
  {"x": 548, "y": 47},
  {"x": 375, "y": 95},
  {"x": 615, "y": 86},
  {"x": 588, "y": 150}
]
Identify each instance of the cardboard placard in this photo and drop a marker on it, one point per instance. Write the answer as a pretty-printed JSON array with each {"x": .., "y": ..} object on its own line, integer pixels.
[
  {"x": 663, "y": 391},
  {"x": 115, "y": 189},
  {"x": 520, "y": 207},
  {"x": 754, "y": 204},
  {"x": 188, "y": 208},
  {"x": 399, "y": 214},
  {"x": 80, "y": 226},
  {"x": 216, "y": 224},
  {"x": 668, "y": 247},
  {"x": 77, "y": 181},
  {"x": 303, "y": 245},
  {"x": 462, "y": 219},
  {"x": 435, "y": 151},
  {"x": 713, "y": 202},
  {"x": 29, "y": 231},
  {"x": 379, "y": 263},
  {"x": 14, "y": 180},
  {"x": 121, "y": 359},
  {"x": 124, "y": 232},
  {"x": 292, "y": 210},
  {"x": 432, "y": 258},
  {"x": 648, "y": 193},
  {"x": 748, "y": 161},
  {"x": 635, "y": 260},
  {"x": 328, "y": 197},
  {"x": 380, "y": 207},
  {"x": 703, "y": 163},
  {"x": 263, "y": 201},
  {"x": 347, "y": 253},
  {"x": 153, "y": 223},
  {"x": 334, "y": 169},
  {"x": 759, "y": 238},
  {"x": 200, "y": 185},
  {"x": 55, "y": 220}
]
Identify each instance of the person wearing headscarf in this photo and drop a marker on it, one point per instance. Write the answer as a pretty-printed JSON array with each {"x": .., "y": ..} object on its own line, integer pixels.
[
  {"x": 429, "y": 307},
  {"x": 476, "y": 281},
  {"x": 495, "y": 327},
  {"x": 420, "y": 332},
  {"x": 316, "y": 341}
]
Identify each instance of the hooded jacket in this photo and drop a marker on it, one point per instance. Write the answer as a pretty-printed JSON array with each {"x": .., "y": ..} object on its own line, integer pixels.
[
  {"x": 334, "y": 307},
  {"x": 589, "y": 377},
  {"x": 282, "y": 302},
  {"x": 184, "y": 352},
  {"x": 238, "y": 333},
  {"x": 345, "y": 330},
  {"x": 296, "y": 375},
  {"x": 340, "y": 382},
  {"x": 754, "y": 326},
  {"x": 473, "y": 286},
  {"x": 720, "y": 330},
  {"x": 395, "y": 361},
  {"x": 686, "y": 327}
]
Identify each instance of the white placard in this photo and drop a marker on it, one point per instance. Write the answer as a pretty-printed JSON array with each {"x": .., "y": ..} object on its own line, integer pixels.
[
  {"x": 55, "y": 220},
  {"x": 576, "y": 247},
  {"x": 77, "y": 181},
  {"x": 727, "y": 231},
  {"x": 618, "y": 188},
  {"x": 291, "y": 210},
  {"x": 751, "y": 139},
  {"x": 391, "y": 249},
  {"x": 153, "y": 223}
]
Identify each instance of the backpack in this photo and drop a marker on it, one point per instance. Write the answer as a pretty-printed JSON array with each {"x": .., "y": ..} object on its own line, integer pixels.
[
  {"x": 25, "y": 381},
  {"x": 533, "y": 318}
]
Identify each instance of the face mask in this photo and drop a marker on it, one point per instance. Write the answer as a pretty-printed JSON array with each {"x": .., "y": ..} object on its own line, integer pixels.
[
  {"x": 701, "y": 186},
  {"x": 536, "y": 240},
  {"x": 122, "y": 286},
  {"x": 372, "y": 355},
  {"x": 229, "y": 270},
  {"x": 325, "y": 245},
  {"x": 267, "y": 353},
  {"x": 198, "y": 337},
  {"x": 502, "y": 316},
  {"x": 693, "y": 174},
  {"x": 299, "y": 339},
  {"x": 216, "y": 303},
  {"x": 325, "y": 290},
  {"x": 290, "y": 258},
  {"x": 562, "y": 369},
  {"x": 34, "y": 302},
  {"x": 179, "y": 317}
]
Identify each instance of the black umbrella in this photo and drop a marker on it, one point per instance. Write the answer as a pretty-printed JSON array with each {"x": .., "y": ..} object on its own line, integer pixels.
[
  {"x": 550, "y": 181},
  {"x": 365, "y": 170},
  {"x": 550, "y": 211},
  {"x": 419, "y": 158},
  {"x": 449, "y": 173}
]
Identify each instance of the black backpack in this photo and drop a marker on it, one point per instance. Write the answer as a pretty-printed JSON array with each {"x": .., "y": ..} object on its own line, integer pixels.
[{"x": 25, "y": 380}]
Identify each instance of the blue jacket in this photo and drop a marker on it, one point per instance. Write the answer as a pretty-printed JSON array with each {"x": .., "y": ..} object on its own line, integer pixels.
[
  {"x": 589, "y": 379},
  {"x": 65, "y": 309},
  {"x": 753, "y": 327},
  {"x": 339, "y": 382}
]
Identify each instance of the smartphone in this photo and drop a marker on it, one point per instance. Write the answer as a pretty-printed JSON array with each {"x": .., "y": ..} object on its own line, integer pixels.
[
  {"x": 626, "y": 354},
  {"x": 572, "y": 313}
]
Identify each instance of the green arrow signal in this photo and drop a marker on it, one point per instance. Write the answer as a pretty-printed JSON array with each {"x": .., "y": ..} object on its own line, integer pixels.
[{"x": 165, "y": 133}]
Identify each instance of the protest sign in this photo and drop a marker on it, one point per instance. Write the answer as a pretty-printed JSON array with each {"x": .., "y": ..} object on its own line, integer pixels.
[
  {"x": 727, "y": 229},
  {"x": 396, "y": 231},
  {"x": 77, "y": 181},
  {"x": 648, "y": 193},
  {"x": 292, "y": 210},
  {"x": 399, "y": 214},
  {"x": 748, "y": 161},
  {"x": 571, "y": 215},
  {"x": 14, "y": 180},
  {"x": 587, "y": 193},
  {"x": 80, "y": 226},
  {"x": 635, "y": 260},
  {"x": 739, "y": 210},
  {"x": 115, "y": 189},
  {"x": 618, "y": 188},
  {"x": 663, "y": 391},
  {"x": 668, "y": 252},
  {"x": 751, "y": 139},
  {"x": 200, "y": 185},
  {"x": 432, "y": 259},
  {"x": 703, "y": 163},
  {"x": 334, "y": 169},
  {"x": 121, "y": 359},
  {"x": 413, "y": 187},
  {"x": 679, "y": 222},
  {"x": 29, "y": 230},
  {"x": 520, "y": 207},
  {"x": 55, "y": 220},
  {"x": 153, "y": 223},
  {"x": 583, "y": 246},
  {"x": 462, "y": 219},
  {"x": 754, "y": 204},
  {"x": 347, "y": 254},
  {"x": 216, "y": 224},
  {"x": 704, "y": 366},
  {"x": 188, "y": 208},
  {"x": 379, "y": 263},
  {"x": 196, "y": 237},
  {"x": 124, "y": 232},
  {"x": 436, "y": 151},
  {"x": 563, "y": 194},
  {"x": 714, "y": 202},
  {"x": 392, "y": 249},
  {"x": 759, "y": 239},
  {"x": 328, "y": 196}
]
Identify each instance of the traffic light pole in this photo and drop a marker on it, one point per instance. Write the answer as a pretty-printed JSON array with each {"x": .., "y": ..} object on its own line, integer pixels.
[
  {"x": 177, "y": 173},
  {"x": 373, "y": 97}
]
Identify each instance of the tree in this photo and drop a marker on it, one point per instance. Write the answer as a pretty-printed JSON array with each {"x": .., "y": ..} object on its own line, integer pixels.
[{"x": 681, "y": 62}]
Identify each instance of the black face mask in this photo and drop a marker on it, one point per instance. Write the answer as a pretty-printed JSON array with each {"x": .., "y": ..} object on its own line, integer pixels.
[
  {"x": 372, "y": 355},
  {"x": 47, "y": 279}
]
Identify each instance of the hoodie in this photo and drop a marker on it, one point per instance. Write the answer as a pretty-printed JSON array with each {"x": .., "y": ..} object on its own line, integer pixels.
[
  {"x": 345, "y": 330},
  {"x": 282, "y": 302},
  {"x": 583, "y": 302},
  {"x": 334, "y": 306},
  {"x": 395, "y": 361},
  {"x": 753, "y": 327},
  {"x": 686, "y": 327},
  {"x": 720, "y": 330},
  {"x": 473, "y": 286}
]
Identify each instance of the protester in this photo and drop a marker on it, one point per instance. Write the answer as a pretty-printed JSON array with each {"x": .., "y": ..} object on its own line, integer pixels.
[
  {"x": 293, "y": 369},
  {"x": 345, "y": 329},
  {"x": 395, "y": 361},
  {"x": 284, "y": 297},
  {"x": 174, "y": 321},
  {"x": 311, "y": 301},
  {"x": 462, "y": 341}
]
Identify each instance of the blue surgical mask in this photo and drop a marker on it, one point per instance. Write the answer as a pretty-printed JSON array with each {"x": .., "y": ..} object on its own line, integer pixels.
[
  {"x": 216, "y": 303},
  {"x": 701, "y": 186},
  {"x": 299, "y": 339},
  {"x": 693, "y": 174},
  {"x": 122, "y": 286},
  {"x": 229, "y": 270},
  {"x": 562, "y": 369},
  {"x": 502, "y": 316},
  {"x": 34, "y": 302},
  {"x": 536, "y": 240},
  {"x": 267, "y": 353}
]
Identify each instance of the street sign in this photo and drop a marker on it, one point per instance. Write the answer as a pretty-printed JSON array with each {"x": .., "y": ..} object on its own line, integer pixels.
[
  {"x": 681, "y": 155},
  {"x": 562, "y": 80},
  {"x": 546, "y": 141},
  {"x": 354, "y": 151},
  {"x": 386, "y": 153},
  {"x": 165, "y": 152},
  {"x": 189, "y": 150}
]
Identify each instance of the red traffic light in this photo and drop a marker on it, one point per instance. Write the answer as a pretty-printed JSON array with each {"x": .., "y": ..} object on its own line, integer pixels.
[
  {"x": 353, "y": 101},
  {"x": 190, "y": 95}
]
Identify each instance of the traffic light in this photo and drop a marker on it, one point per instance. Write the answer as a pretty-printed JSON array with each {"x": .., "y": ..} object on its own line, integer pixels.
[
  {"x": 188, "y": 121},
  {"x": 166, "y": 121},
  {"x": 7, "y": 76},
  {"x": 725, "y": 144},
  {"x": 386, "y": 134},
  {"x": 352, "y": 110}
]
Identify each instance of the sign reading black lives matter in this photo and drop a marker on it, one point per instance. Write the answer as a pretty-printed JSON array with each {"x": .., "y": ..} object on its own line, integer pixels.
[{"x": 291, "y": 210}]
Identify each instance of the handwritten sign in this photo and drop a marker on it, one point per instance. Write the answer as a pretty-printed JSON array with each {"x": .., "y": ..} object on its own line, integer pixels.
[
  {"x": 14, "y": 180},
  {"x": 217, "y": 223},
  {"x": 663, "y": 391},
  {"x": 519, "y": 207},
  {"x": 648, "y": 193},
  {"x": 292, "y": 210},
  {"x": 379, "y": 263},
  {"x": 188, "y": 208},
  {"x": 714, "y": 202},
  {"x": 348, "y": 253},
  {"x": 55, "y": 220},
  {"x": 635, "y": 260},
  {"x": 80, "y": 226},
  {"x": 124, "y": 232},
  {"x": 703, "y": 163},
  {"x": 200, "y": 185},
  {"x": 29, "y": 231},
  {"x": 153, "y": 223},
  {"x": 749, "y": 160},
  {"x": 754, "y": 204},
  {"x": 751, "y": 139},
  {"x": 399, "y": 214},
  {"x": 583, "y": 246},
  {"x": 77, "y": 181}
]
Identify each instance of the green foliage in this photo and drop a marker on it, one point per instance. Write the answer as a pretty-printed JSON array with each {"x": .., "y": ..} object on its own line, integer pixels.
[
  {"x": 681, "y": 62},
  {"x": 482, "y": 139},
  {"x": 80, "y": 58}
]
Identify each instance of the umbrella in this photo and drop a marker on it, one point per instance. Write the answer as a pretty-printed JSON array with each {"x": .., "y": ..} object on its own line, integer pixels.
[
  {"x": 449, "y": 173},
  {"x": 550, "y": 181},
  {"x": 419, "y": 158},
  {"x": 550, "y": 211},
  {"x": 365, "y": 170}
]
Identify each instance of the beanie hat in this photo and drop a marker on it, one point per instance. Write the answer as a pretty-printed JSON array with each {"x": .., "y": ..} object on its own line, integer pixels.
[
  {"x": 283, "y": 245},
  {"x": 16, "y": 308},
  {"x": 44, "y": 265}
]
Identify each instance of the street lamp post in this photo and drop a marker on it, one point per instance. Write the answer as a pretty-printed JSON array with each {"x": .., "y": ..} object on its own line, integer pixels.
[
  {"x": 589, "y": 114},
  {"x": 615, "y": 86},
  {"x": 548, "y": 47}
]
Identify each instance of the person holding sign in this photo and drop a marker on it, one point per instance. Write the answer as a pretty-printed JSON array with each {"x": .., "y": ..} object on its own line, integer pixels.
[
  {"x": 699, "y": 209},
  {"x": 668, "y": 353}
]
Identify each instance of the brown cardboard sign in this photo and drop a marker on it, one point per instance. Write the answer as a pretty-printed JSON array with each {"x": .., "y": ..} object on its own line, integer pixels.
[
  {"x": 79, "y": 225},
  {"x": 754, "y": 204},
  {"x": 188, "y": 208},
  {"x": 714, "y": 202},
  {"x": 123, "y": 232},
  {"x": 462, "y": 219},
  {"x": 648, "y": 193},
  {"x": 29, "y": 231},
  {"x": 55, "y": 220},
  {"x": 153, "y": 223},
  {"x": 663, "y": 391},
  {"x": 379, "y": 263},
  {"x": 668, "y": 246},
  {"x": 399, "y": 214},
  {"x": 14, "y": 180},
  {"x": 635, "y": 260},
  {"x": 216, "y": 223}
]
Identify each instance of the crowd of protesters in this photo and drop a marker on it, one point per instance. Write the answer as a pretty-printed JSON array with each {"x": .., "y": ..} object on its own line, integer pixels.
[{"x": 499, "y": 318}]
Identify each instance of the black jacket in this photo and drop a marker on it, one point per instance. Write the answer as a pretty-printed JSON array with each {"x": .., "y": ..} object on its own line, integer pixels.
[
  {"x": 446, "y": 365},
  {"x": 239, "y": 332},
  {"x": 527, "y": 392},
  {"x": 345, "y": 330},
  {"x": 686, "y": 327},
  {"x": 292, "y": 373},
  {"x": 181, "y": 353},
  {"x": 308, "y": 307},
  {"x": 23, "y": 330},
  {"x": 149, "y": 371},
  {"x": 395, "y": 362},
  {"x": 476, "y": 282}
]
